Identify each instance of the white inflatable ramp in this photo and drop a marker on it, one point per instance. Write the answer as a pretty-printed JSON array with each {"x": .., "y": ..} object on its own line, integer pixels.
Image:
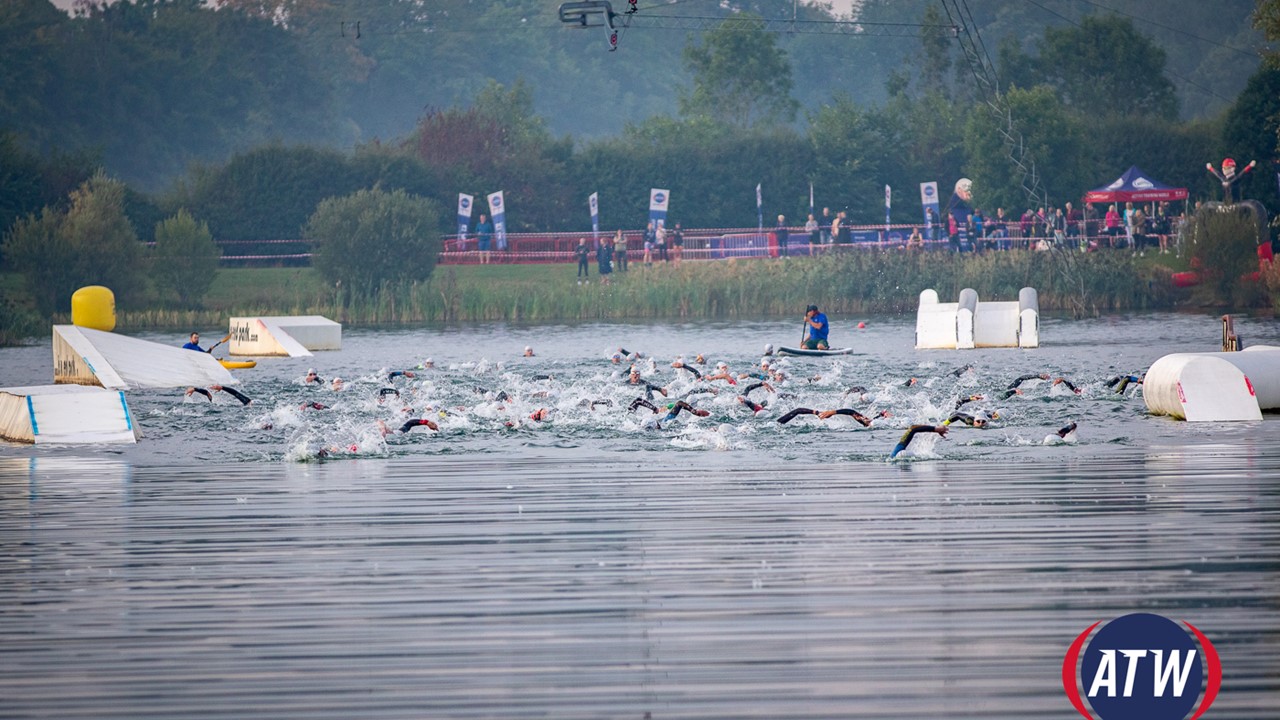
[
  {"x": 83, "y": 356},
  {"x": 284, "y": 336},
  {"x": 935, "y": 323},
  {"x": 66, "y": 414},
  {"x": 1214, "y": 387},
  {"x": 970, "y": 323}
]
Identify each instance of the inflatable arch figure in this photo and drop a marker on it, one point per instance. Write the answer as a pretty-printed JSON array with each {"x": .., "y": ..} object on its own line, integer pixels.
[{"x": 1248, "y": 209}]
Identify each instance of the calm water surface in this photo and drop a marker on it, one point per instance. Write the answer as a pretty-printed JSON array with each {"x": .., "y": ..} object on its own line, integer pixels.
[{"x": 247, "y": 562}]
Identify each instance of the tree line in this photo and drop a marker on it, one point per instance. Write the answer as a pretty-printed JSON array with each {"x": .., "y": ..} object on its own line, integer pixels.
[{"x": 736, "y": 123}]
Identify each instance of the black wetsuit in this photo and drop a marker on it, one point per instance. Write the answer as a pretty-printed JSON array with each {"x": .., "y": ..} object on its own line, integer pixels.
[
  {"x": 967, "y": 419},
  {"x": 417, "y": 422},
  {"x": 792, "y": 415},
  {"x": 850, "y": 412},
  {"x": 1013, "y": 386},
  {"x": 641, "y": 402},
  {"x": 686, "y": 368},
  {"x": 244, "y": 399}
]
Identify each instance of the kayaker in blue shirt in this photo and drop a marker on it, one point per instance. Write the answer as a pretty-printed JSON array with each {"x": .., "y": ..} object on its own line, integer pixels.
[
  {"x": 816, "y": 330},
  {"x": 194, "y": 343}
]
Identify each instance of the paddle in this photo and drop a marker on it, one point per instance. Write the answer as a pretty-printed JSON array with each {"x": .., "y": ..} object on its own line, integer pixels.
[
  {"x": 224, "y": 339},
  {"x": 804, "y": 330}
]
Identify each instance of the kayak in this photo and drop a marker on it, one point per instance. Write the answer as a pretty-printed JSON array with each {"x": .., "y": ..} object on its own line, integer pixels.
[
  {"x": 238, "y": 364},
  {"x": 813, "y": 353}
]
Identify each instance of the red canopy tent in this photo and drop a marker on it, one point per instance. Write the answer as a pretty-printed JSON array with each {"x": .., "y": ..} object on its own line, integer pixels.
[{"x": 1135, "y": 186}]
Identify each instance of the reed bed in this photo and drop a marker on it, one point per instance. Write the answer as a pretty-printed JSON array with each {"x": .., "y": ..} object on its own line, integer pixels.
[{"x": 848, "y": 283}]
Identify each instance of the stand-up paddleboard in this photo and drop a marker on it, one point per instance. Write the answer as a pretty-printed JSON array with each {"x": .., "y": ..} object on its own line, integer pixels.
[
  {"x": 238, "y": 364},
  {"x": 813, "y": 353}
]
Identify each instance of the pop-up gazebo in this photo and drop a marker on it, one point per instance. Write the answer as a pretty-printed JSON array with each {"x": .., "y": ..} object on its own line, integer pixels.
[{"x": 1135, "y": 186}]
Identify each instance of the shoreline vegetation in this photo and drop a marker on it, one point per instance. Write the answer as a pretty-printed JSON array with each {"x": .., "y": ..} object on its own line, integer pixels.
[{"x": 1081, "y": 284}]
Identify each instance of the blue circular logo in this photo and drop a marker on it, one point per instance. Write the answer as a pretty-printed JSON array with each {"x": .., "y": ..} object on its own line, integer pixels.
[
  {"x": 464, "y": 203},
  {"x": 929, "y": 191},
  {"x": 659, "y": 198},
  {"x": 1142, "y": 667},
  {"x": 496, "y": 202}
]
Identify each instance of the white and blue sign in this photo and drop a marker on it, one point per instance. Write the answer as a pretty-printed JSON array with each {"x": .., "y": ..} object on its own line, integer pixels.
[
  {"x": 499, "y": 210},
  {"x": 888, "y": 203},
  {"x": 1142, "y": 667},
  {"x": 593, "y": 201},
  {"x": 929, "y": 199},
  {"x": 659, "y": 199},
  {"x": 464, "y": 214},
  {"x": 759, "y": 207}
]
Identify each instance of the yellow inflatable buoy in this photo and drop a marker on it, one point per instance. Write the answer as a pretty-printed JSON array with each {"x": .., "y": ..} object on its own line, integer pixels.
[{"x": 94, "y": 307}]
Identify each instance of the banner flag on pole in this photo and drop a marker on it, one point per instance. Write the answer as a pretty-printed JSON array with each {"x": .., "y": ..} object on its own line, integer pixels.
[
  {"x": 499, "y": 211},
  {"x": 594, "y": 202},
  {"x": 929, "y": 200},
  {"x": 464, "y": 214},
  {"x": 759, "y": 207},
  {"x": 810, "y": 198},
  {"x": 658, "y": 201},
  {"x": 887, "y": 203}
]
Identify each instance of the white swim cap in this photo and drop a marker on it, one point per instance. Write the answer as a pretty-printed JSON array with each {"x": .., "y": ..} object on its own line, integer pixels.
[{"x": 768, "y": 348}]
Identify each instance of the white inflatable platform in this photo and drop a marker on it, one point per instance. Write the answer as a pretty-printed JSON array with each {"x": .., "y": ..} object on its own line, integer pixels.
[
  {"x": 84, "y": 356},
  {"x": 1216, "y": 386},
  {"x": 66, "y": 414},
  {"x": 284, "y": 336},
  {"x": 968, "y": 324}
]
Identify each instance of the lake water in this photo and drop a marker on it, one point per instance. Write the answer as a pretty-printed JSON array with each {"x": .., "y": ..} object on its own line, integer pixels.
[{"x": 268, "y": 561}]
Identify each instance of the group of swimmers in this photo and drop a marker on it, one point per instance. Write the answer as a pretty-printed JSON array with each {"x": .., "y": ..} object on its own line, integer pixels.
[{"x": 661, "y": 403}]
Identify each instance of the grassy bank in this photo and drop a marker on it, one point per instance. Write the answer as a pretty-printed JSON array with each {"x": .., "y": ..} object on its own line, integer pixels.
[{"x": 861, "y": 282}]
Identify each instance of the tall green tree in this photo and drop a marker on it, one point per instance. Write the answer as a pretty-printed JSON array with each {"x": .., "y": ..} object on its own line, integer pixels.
[
  {"x": 184, "y": 261},
  {"x": 1054, "y": 138},
  {"x": 371, "y": 238},
  {"x": 740, "y": 76},
  {"x": 1102, "y": 66},
  {"x": 92, "y": 243}
]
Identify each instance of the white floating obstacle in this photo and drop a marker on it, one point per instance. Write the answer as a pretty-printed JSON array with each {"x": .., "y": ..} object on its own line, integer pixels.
[
  {"x": 1214, "y": 387},
  {"x": 84, "y": 356},
  {"x": 284, "y": 336},
  {"x": 970, "y": 323},
  {"x": 65, "y": 414}
]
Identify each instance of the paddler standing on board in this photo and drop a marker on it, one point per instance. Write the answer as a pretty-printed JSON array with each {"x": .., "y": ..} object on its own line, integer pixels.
[{"x": 816, "y": 329}]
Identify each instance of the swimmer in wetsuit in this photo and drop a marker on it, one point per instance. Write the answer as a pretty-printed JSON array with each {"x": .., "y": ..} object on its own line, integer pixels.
[
  {"x": 966, "y": 400},
  {"x": 244, "y": 399},
  {"x": 1068, "y": 384},
  {"x": 824, "y": 414},
  {"x": 977, "y": 421},
  {"x": 1120, "y": 383},
  {"x": 633, "y": 378},
  {"x": 911, "y": 433},
  {"x": 679, "y": 365},
  {"x": 1015, "y": 387},
  {"x": 408, "y": 425}
]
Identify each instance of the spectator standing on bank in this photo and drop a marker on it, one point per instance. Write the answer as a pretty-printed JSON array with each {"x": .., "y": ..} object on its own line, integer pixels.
[
  {"x": 783, "y": 235},
  {"x": 484, "y": 238},
  {"x": 583, "y": 253},
  {"x": 660, "y": 241},
  {"x": 620, "y": 251},
  {"x": 1112, "y": 223},
  {"x": 604, "y": 260},
  {"x": 677, "y": 242},
  {"x": 815, "y": 234},
  {"x": 825, "y": 225},
  {"x": 650, "y": 237}
]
